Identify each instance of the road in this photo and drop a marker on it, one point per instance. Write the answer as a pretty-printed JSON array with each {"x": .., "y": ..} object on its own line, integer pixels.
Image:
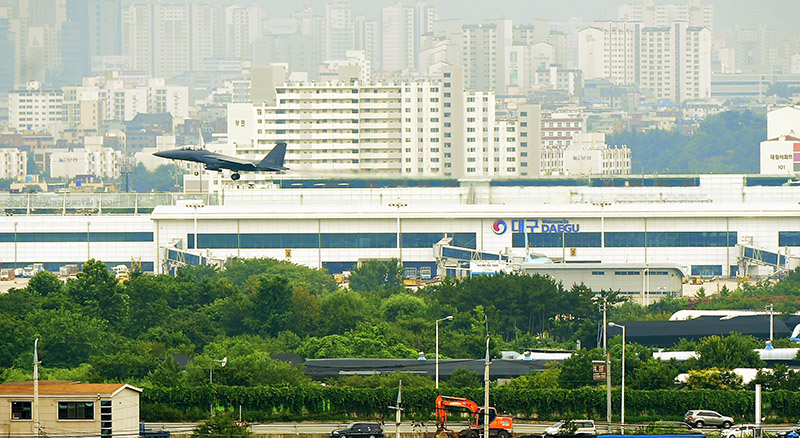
[
  {"x": 405, "y": 427},
  {"x": 326, "y": 428}
]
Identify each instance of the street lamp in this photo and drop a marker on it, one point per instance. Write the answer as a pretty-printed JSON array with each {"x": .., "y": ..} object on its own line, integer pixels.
[
  {"x": 195, "y": 206},
  {"x": 603, "y": 205},
  {"x": 447, "y": 318},
  {"x": 222, "y": 362},
  {"x": 399, "y": 205},
  {"x": 622, "y": 404}
]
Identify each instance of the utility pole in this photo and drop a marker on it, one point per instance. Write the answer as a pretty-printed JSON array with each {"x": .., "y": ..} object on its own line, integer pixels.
[
  {"x": 608, "y": 363},
  {"x": 36, "y": 426},
  {"x": 398, "y": 409},
  {"x": 486, "y": 389}
]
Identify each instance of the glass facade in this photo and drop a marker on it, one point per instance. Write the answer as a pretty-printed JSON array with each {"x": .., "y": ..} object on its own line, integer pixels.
[
  {"x": 706, "y": 270},
  {"x": 77, "y": 237},
  {"x": 789, "y": 238},
  {"x": 557, "y": 240},
  {"x": 679, "y": 239},
  {"x": 326, "y": 240}
]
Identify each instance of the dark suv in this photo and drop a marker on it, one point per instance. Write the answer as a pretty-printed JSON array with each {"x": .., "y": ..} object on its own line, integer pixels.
[{"x": 359, "y": 430}]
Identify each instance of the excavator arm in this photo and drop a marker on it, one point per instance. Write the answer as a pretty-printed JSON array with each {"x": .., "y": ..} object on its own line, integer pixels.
[{"x": 443, "y": 402}]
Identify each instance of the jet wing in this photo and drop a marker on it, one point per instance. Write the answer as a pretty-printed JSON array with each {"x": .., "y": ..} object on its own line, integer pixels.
[{"x": 224, "y": 159}]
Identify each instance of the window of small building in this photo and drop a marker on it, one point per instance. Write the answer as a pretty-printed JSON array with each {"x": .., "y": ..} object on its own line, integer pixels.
[
  {"x": 76, "y": 410},
  {"x": 21, "y": 410}
]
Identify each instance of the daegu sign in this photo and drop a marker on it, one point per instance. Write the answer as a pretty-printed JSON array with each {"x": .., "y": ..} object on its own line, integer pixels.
[{"x": 536, "y": 226}]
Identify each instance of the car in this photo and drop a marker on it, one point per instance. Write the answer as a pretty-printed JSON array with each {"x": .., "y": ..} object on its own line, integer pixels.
[
  {"x": 359, "y": 430},
  {"x": 701, "y": 417},
  {"x": 571, "y": 427},
  {"x": 740, "y": 431}
]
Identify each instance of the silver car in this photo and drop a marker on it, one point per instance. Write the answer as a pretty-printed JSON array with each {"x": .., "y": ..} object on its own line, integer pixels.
[
  {"x": 699, "y": 418},
  {"x": 571, "y": 427}
]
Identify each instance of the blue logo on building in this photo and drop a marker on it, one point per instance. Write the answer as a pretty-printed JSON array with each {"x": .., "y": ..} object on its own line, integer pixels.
[
  {"x": 499, "y": 226},
  {"x": 541, "y": 226}
]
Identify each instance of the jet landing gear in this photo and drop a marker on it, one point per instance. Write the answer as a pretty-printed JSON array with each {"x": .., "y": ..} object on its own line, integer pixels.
[{"x": 235, "y": 176}]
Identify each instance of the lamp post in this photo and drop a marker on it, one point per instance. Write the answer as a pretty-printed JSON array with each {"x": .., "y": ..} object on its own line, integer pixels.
[
  {"x": 222, "y": 362},
  {"x": 608, "y": 364},
  {"x": 447, "y": 318},
  {"x": 603, "y": 205},
  {"x": 195, "y": 206},
  {"x": 622, "y": 403},
  {"x": 399, "y": 205}
]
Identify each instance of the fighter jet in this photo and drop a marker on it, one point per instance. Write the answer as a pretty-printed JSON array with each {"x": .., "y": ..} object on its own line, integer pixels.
[{"x": 273, "y": 162}]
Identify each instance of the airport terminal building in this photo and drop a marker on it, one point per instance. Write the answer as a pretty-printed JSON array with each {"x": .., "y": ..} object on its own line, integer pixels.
[{"x": 638, "y": 228}]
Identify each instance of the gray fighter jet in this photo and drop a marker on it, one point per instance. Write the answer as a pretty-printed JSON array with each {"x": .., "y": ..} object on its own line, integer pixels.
[{"x": 273, "y": 162}]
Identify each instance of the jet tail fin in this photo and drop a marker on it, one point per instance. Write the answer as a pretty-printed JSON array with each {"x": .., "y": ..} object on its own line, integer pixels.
[{"x": 274, "y": 159}]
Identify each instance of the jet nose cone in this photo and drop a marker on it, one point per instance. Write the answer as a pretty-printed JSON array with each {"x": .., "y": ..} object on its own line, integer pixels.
[{"x": 163, "y": 154}]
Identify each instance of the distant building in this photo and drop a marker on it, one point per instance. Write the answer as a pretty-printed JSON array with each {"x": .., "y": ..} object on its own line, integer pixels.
[
  {"x": 780, "y": 156},
  {"x": 13, "y": 163},
  {"x": 88, "y": 409},
  {"x": 35, "y": 109}
]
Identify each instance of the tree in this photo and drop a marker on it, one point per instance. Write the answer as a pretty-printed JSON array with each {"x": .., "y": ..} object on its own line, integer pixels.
[
  {"x": 728, "y": 352},
  {"x": 538, "y": 379},
  {"x": 576, "y": 371},
  {"x": 779, "y": 377},
  {"x": 403, "y": 306},
  {"x": 167, "y": 374},
  {"x": 45, "y": 283},
  {"x": 68, "y": 338},
  {"x": 653, "y": 374},
  {"x": 272, "y": 305},
  {"x": 221, "y": 426},
  {"x": 97, "y": 290},
  {"x": 376, "y": 275},
  {"x": 343, "y": 310},
  {"x": 713, "y": 378},
  {"x": 464, "y": 378}
]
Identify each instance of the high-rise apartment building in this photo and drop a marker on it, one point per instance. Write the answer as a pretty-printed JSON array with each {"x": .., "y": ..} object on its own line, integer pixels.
[
  {"x": 652, "y": 14},
  {"x": 243, "y": 26},
  {"x": 35, "y": 109},
  {"x": 610, "y": 50},
  {"x": 368, "y": 39},
  {"x": 484, "y": 54},
  {"x": 398, "y": 40},
  {"x": 675, "y": 62},
  {"x": 167, "y": 40},
  {"x": 339, "y": 31},
  {"x": 13, "y": 163}
]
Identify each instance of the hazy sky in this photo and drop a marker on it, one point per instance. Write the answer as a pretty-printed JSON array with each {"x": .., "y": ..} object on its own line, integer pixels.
[{"x": 776, "y": 13}]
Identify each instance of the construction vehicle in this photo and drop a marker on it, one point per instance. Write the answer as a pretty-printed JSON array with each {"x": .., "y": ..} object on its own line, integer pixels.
[{"x": 499, "y": 425}]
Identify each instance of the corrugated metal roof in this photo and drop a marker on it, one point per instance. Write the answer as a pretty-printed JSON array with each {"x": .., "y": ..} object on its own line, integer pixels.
[{"x": 59, "y": 387}]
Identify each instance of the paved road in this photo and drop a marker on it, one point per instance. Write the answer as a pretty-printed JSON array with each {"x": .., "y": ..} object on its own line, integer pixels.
[
  {"x": 326, "y": 428},
  {"x": 406, "y": 427}
]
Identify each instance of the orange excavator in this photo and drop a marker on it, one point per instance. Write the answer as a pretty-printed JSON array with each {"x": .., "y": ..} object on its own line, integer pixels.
[{"x": 499, "y": 425}]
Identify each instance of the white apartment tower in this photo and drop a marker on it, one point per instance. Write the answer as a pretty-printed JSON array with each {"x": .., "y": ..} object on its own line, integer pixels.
[
  {"x": 243, "y": 26},
  {"x": 36, "y": 109},
  {"x": 368, "y": 40},
  {"x": 609, "y": 50},
  {"x": 484, "y": 49},
  {"x": 339, "y": 31},
  {"x": 397, "y": 38},
  {"x": 651, "y": 14},
  {"x": 166, "y": 40},
  {"x": 675, "y": 62},
  {"x": 424, "y": 17},
  {"x": 13, "y": 163}
]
